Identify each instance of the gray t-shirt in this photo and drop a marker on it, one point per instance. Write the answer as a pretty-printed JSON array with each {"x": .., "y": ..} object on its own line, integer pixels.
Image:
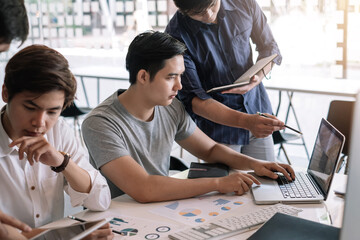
[{"x": 111, "y": 132}]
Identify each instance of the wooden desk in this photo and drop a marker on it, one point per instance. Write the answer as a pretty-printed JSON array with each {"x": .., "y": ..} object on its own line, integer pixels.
[{"x": 126, "y": 206}]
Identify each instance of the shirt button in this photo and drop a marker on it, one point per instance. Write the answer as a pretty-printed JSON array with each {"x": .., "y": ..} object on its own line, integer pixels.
[
  {"x": 37, "y": 215},
  {"x": 32, "y": 188}
]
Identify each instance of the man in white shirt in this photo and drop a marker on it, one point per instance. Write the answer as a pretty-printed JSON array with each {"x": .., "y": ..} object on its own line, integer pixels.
[
  {"x": 13, "y": 25},
  {"x": 39, "y": 154}
]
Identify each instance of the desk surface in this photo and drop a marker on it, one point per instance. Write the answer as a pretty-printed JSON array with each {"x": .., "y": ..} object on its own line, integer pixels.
[
  {"x": 336, "y": 87},
  {"x": 126, "y": 208}
]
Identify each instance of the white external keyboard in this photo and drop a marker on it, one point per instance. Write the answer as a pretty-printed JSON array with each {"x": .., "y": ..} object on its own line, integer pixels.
[{"x": 233, "y": 225}]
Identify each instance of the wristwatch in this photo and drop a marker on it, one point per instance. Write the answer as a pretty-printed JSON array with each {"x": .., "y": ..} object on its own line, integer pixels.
[{"x": 64, "y": 163}]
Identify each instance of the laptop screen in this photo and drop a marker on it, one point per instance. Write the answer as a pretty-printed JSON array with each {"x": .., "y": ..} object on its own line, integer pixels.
[{"x": 327, "y": 148}]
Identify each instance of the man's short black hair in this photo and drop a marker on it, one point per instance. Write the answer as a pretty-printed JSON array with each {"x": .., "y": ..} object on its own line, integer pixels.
[
  {"x": 149, "y": 51},
  {"x": 14, "y": 23},
  {"x": 190, "y": 7}
]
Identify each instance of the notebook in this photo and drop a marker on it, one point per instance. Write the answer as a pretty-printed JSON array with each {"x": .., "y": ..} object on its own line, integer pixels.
[
  {"x": 328, "y": 146},
  {"x": 246, "y": 77},
  {"x": 205, "y": 170},
  {"x": 283, "y": 226}
]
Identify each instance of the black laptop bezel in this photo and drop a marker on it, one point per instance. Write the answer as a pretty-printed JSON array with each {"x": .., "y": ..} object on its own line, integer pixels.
[{"x": 338, "y": 134}]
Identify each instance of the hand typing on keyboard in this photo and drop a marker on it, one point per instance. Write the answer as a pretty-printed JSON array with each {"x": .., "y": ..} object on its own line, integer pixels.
[
  {"x": 270, "y": 169},
  {"x": 240, "y": 183},
  {"x": 233, "y": 225},
  {"x": 299, "y": 188}
]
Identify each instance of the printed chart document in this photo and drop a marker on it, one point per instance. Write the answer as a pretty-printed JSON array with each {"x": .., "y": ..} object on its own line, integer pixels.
[
  {"x": 246, "y": 77},
  {"x": 127, "y": 227},
  {"x": 200, "y": 209}
]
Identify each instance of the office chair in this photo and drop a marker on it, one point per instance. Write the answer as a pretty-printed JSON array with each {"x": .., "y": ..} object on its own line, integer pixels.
[
  {"x": 340, "y": 116},
  {"x": 73, "y": 111}
]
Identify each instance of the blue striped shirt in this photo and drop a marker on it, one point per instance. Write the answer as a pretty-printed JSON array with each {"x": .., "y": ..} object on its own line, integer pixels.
[{"x": 220, "y": 53}]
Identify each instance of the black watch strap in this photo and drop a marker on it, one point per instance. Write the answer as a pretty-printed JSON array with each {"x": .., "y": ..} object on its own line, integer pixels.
[{"x": 64, "y": 163}]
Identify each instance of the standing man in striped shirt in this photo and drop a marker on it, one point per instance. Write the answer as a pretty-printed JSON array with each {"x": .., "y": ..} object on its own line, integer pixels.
[{"x": 217, "y": 35}]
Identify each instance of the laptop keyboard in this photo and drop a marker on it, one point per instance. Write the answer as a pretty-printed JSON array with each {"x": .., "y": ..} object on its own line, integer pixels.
[{"x": 301, "y": 187}]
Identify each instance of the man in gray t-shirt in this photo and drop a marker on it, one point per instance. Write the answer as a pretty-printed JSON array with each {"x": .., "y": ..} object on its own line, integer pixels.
[
  {"x": 110, "y": 132},
  {"x": 130, "y": 135}
]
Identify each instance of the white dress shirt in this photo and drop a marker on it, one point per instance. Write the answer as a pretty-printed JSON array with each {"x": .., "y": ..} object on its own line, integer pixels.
[{"x": 35, "y": 194}]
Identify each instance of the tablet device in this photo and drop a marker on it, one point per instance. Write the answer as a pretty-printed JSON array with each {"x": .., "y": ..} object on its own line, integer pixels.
[
  {"x": 75, "y": 231},
  {"x": 246, "y": 77}
]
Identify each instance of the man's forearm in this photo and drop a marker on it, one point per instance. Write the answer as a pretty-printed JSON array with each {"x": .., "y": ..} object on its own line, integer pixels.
[
  {"x": 78, "y": 178},
  {"x": 161, "y": 188},
  {"x": 224, "y": 154},
  {"x": 219, "y": 113}
]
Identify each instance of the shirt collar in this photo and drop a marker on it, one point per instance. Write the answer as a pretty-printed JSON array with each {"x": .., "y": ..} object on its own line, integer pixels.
[
  {"x": 227, "y": 6},
  {"x": 192, "y": 24}
]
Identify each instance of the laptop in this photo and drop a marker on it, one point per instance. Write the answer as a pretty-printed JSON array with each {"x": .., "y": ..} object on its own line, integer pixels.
[
  {"x": 328, "y": 146},
  {"x": 289, "y": 227}
]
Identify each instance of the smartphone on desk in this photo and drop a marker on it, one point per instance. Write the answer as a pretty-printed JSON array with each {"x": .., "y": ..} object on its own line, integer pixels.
[{"x": 75, "y": 231}]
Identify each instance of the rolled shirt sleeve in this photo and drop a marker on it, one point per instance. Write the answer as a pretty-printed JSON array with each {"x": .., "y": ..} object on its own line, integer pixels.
[{"x": 98, "y": 199}]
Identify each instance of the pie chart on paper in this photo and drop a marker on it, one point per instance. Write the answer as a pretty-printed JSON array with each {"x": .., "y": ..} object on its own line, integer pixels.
[
  {"x": 225, "y": 208},
  {"x": 200, "y": 220},
  {"x": 214, "y": 214},
  {"x": 189, "y": 212}
]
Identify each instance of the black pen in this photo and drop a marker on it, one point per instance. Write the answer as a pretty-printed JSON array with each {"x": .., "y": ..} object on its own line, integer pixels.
[
  {"x": 120, "y": 233},
  {"x": 76, "y": 218},
  {"x": 263, "y": 115}
]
